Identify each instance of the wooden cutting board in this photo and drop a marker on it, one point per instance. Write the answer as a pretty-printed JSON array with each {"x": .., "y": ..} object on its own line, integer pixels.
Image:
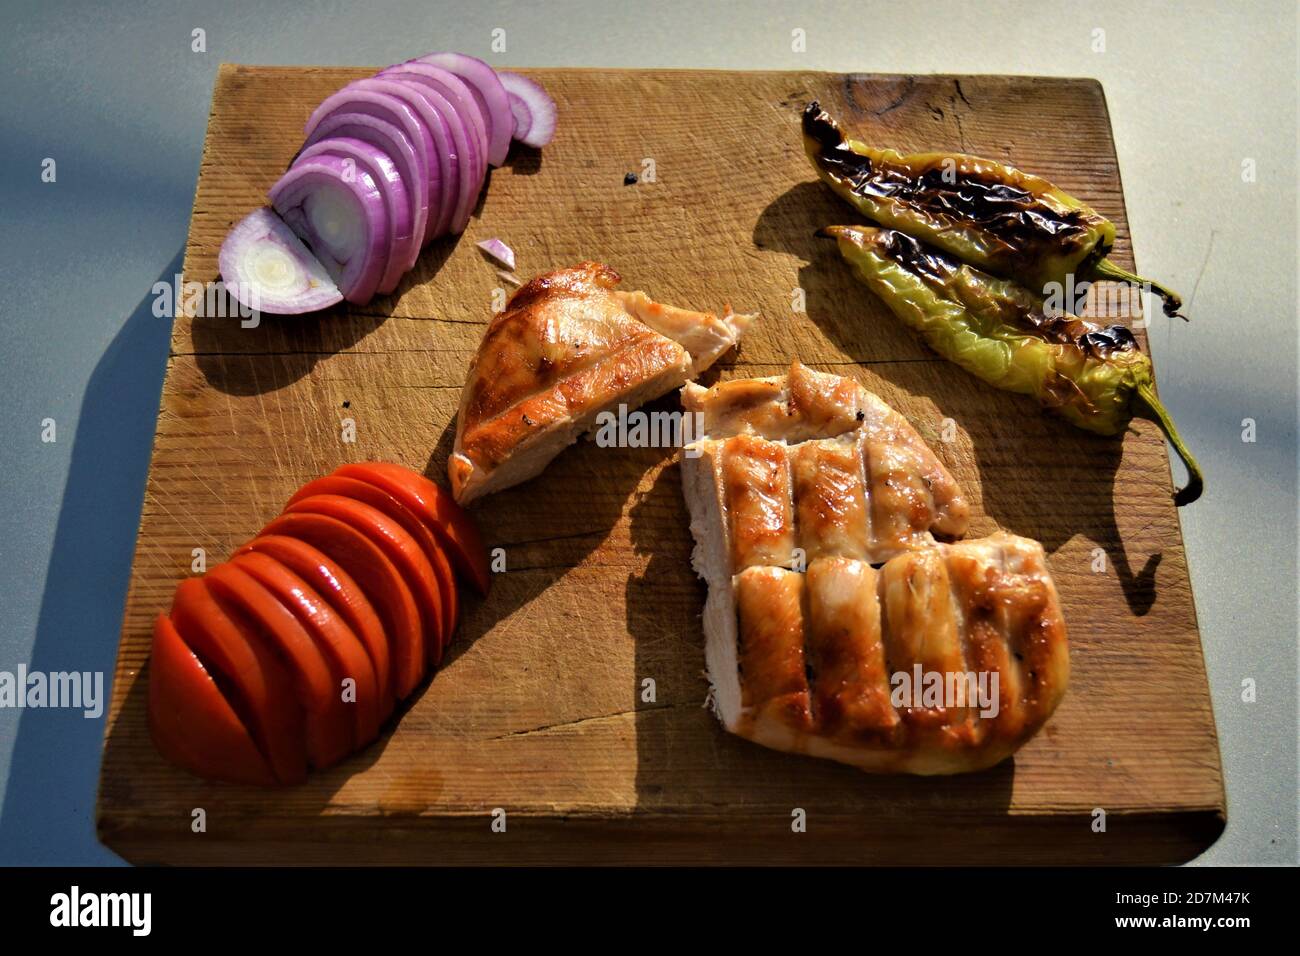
[{"x": 541, "y": 711}]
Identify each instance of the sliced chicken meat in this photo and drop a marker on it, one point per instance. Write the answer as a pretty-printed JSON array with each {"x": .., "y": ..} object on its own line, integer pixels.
[
  {"x": 907, "y": 492},
  {"x": 785, "y": 505},
  {"x": 945, "y": 659},
  {"x": 568, "y": 346}
]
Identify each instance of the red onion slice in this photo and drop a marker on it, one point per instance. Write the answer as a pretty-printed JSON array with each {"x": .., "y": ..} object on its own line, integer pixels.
[
  {"x": 443, "y": 166},
  {"x": 268, "y": 269},
  {"x": 533, "y": 109},
  {"x": 499, "y": 251},
  {"x": 488, "y": 92},
  {"x": 455, "y": 90},
  {"x": 341, "y": 217},
  {"x": 401, "y": 151},
  {"x": 395, "y": 110},
  {"x": 466, "y": 159},
  {"x": 376, "y": 163}
]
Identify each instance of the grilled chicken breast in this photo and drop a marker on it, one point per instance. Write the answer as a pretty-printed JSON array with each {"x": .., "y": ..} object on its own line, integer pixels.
[
  {"x": 893, "y": 670},
  {"x": 568, "y": 346},
  {"x": 945, "y": 658},
  {"x": 815, "y": 461}
]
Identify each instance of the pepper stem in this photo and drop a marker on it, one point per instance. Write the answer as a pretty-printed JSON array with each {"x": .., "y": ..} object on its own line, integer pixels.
[
  {"x": 1105, "y": 269},
  {"x": 1152, "y": 405}
]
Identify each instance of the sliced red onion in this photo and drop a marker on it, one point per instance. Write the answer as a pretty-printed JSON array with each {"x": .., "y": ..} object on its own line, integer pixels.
[
  {"x": 341, "y": 216},
  {"x": 499, "y": 251},
  {"x": 488, "y": 92},
  {"x": 533, "y": 109},
  {"x": 453, "y": 88},
  {"x": 268, "y": 269},
  {"x": 391, "y": 109},
  {"x": 377, "y": 164},
  {"x": 470, "y": 167},
  {"x": 443, "y": 169},
  {"x": 387, "y": 137},
  {"x": 522, "y": 114}
]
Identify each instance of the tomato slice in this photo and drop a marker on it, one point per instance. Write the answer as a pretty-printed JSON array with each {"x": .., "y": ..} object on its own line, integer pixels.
[
  {"x": 381, "y": 582},
  {"x": 380, "y": 499},
  {"x": 346, "y": 657},
  {"x": 331, "y": 732},
  {"x": 190, "y": 720},
  {"x": 257, "y": 685},
  {"x": 343, "y": 594},
  {"x": 450, "y": 523},
  {"x": 400, "y": 548}
]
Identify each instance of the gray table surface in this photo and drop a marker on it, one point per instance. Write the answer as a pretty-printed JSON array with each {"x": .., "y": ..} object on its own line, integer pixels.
[{"x": 115, "y": 95}]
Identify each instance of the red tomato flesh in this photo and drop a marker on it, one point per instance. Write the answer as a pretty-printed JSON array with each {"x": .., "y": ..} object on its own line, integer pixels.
[
  {"x": 190, "y": 720},
  {"x": 380, "y": 581},
  {"x": 449, "y": 522}
]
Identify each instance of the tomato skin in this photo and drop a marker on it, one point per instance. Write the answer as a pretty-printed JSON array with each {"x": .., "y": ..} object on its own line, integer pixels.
[
  {"x": 380, "y": 581},
  {"x": 344, "y": 595},
  {"x": 355, "y": 580},
  {"x": 342, "y": 650},
  {"x": 263, "y": 692},
  {"x": 378, "y": 498},
  {"x": 399, "y": 547},
  {"x": 190, "y": 720},
  {"x": 449, "y": 522},
  {"x": 331, "y": 734}
]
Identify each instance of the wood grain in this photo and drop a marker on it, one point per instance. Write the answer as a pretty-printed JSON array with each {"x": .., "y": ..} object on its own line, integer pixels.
[{"x": 539, "y": 709}]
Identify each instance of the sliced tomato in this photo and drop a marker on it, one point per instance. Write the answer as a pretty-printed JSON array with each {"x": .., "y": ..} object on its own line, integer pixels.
[
  {"x": 400, "y": 548},
  {"x": 343, "y": 594},
  {"x": 190, "y": 720},
  {"x": 378, "y": 498},
  {"x": 257, "y": 685},
  {"x": 381, "y": 582},
  {"x": 347, "y": 658},
  {"x": 450, "y": 523},
  {"x": 331, "y": 733}
]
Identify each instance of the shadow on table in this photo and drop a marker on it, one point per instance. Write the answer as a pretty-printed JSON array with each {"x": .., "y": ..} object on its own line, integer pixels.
[{"x": 56, "y": 756}]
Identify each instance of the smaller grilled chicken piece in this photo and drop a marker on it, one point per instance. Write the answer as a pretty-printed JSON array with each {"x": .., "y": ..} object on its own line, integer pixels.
[
  {"x": 811, "y": 663},
  {"x": 801, "y": 470},
  {"x": 567, "y": 347},
  {"x": 906, "y": 493}
]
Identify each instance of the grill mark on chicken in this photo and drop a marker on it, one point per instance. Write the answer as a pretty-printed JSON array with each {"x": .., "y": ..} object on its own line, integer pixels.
[
  {"x": 850, "y": 690},
  {"x": 920, "y": 629},
  {"x": 774, "y": 684},
  {"x": 902, "y": 506},
  {"x": 986, "y": 627},
  {"x": 802, "y": 660},
  {"x": 1025, "y": 614},
  {"x": 567, "y": 346},
  {"x": 805, "y": 405},
  {"x": 816, "y": 650},
  {"x": 977, "y": 724},
  {"x": 756, "y": 487},
  {"x": 830, "y": 500},
  {"x": 495, "y": 440}
]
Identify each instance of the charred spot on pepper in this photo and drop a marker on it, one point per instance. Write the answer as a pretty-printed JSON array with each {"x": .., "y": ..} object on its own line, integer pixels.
[
  {"x": 911, "y": 255},
  {"x": 1105, "y": 342},
  {"x": 942, "y": 190},
  {"x": 818, "y": 126}
]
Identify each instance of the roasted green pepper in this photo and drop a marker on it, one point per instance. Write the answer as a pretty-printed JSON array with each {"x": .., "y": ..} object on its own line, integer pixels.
[
  {"x": 1003, "y": 333},
  {"x": 987, "y": 214}
]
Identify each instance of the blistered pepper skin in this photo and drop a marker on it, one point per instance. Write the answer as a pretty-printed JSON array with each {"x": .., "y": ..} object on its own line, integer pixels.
[
  {"x": 985, "y": 213},
  {"x": 1096, "y": 377}
]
